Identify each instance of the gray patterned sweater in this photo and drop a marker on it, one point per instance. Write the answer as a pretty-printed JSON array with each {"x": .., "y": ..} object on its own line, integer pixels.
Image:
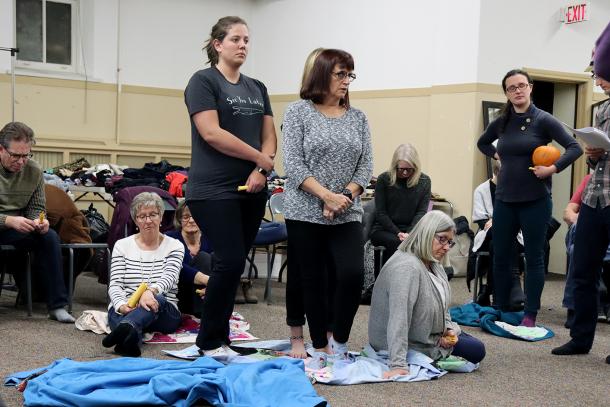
[{"x": 335, "y": 151}]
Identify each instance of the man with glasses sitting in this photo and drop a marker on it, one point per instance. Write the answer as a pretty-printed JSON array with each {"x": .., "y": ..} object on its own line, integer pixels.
[{"x": 22, "y": 214}]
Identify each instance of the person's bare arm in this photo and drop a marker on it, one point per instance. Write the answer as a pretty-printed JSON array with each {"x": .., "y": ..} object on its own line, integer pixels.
[
  {"x": 570, "y": 214},
  {"x": 257, "y": 181},
  {"x": 208, "y": 126}
]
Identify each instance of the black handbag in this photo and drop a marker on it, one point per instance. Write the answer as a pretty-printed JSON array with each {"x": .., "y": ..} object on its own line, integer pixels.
[
  {"x": 98, "y": 227},
  {"x": 98, "y": 230}
]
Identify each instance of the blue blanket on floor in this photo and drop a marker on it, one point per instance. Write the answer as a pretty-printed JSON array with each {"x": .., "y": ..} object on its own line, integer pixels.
[
  {"x": 141, "y": 381},
  {"x": 473, "y": 314}
]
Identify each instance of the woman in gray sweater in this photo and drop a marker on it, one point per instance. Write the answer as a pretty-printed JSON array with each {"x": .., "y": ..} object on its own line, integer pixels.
[
  {"x": 409, "y": 307},
  {"x": 328, "y": 161}
]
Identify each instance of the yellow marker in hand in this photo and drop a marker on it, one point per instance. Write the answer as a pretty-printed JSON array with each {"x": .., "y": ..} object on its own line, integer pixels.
[
  {"x": 531, "y": 168},
  {"x": 41, "y": 217},
  {"x": 200, "y": 291},
  {"x": 242, "y": 188},
  {"x": 135, "y": 297}
]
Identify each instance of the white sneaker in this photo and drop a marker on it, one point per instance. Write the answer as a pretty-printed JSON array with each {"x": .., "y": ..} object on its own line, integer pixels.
[
  {"x": 340, "y": 350},
  {"x": 223, "y": 352},
  {"x": 318, "y": 361}
]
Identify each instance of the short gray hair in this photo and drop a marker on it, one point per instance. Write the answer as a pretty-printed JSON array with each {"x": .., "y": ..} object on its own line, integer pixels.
[
  {"x": 419, "y": 241},
  {"x": 146, "y": 199},
  {"x": 406, "y": 152},
  {"x": 16, "y": 131}
]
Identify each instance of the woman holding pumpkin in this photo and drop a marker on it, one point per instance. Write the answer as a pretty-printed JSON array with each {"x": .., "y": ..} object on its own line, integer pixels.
[{"x": 523, "y": 193}]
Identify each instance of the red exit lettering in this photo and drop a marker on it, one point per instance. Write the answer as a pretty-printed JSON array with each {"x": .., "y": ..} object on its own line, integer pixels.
[{"x": 576, "y": 13}]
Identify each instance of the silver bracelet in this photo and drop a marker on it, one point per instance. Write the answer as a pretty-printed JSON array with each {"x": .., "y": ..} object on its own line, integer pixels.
[{"x": 296, "y": 337}]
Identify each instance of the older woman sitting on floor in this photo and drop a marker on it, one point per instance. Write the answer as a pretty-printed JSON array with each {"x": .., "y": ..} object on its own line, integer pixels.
[
  {"x": 147, "y": 257},
  {"x": 409, "y": 307}
]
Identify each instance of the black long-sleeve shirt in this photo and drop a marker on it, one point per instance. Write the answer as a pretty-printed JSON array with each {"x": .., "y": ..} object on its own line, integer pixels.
[{"x": 523, "y": 133}]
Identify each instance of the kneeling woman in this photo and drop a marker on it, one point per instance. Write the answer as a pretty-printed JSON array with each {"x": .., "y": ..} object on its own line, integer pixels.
[
  {"x": 409, "y": 307},
  {"x": 146, "y": 257}
]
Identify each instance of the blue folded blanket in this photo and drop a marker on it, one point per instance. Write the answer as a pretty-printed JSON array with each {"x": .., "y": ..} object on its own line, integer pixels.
[
  {"x": 473, "y": 314},
  {"x": 141, "y": 381}
]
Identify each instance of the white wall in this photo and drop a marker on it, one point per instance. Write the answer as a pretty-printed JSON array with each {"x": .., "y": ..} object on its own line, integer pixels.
[
  {"x": 161, "y": 40},
  {"x": 524, "y": 33},
  {"x": 396, "y": 44}
]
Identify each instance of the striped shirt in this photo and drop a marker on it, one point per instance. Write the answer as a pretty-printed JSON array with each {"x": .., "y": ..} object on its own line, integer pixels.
[
  {"x": 131, "y": 266},
  {"x": 597, "y": 191}
]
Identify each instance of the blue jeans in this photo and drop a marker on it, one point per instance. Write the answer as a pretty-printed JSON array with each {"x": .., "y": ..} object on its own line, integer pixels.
[
  {"x": 568, "y": 292},
  {"x": 532, "y": 218},
  {"x": 469, "y": 348},
  {"x": 47, "y": 262},
  {"x": 166, "y": 321},
  {"x": 591, "y": 243}
]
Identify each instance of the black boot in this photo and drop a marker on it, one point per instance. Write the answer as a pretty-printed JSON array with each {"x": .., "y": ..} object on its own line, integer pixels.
[
  {"x": 517, "y": 298},
  {"x": 483, "y": 297}
]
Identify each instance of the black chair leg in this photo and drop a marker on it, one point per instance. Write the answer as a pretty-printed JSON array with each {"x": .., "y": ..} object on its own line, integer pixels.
[
  {"x": 284, "y": 264},
  {"x": 475, "y": 281},
  {"x": 28, "y": 282},
  {"x": 270, "y": 257},
  {"x": 71, "y": 279},
  {"x": 250, "y": 260}
]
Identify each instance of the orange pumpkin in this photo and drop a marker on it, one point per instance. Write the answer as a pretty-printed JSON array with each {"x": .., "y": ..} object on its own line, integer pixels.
[{"x": 545, "y": 155}]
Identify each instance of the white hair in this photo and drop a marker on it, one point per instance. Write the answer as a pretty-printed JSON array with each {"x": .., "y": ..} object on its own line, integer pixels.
[{"x": 419, "y": 241}]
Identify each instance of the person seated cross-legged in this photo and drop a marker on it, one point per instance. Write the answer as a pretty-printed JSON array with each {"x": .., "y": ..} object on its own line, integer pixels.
[{"x": 150, "y": 258}]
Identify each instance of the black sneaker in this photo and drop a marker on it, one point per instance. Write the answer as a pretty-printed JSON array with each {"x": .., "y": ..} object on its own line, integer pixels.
[{"x": 569, "y": 348}]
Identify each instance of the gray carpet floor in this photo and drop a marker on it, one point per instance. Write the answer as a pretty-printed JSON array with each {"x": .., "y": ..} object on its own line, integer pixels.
[{"x": 514, "y": 373}]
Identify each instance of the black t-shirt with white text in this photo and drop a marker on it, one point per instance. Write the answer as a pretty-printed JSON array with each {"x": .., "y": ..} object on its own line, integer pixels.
[{"x": 241, "y": 107}]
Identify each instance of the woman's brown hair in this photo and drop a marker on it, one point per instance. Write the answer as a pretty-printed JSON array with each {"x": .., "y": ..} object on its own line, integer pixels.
[{"x": 317, "y": 85}]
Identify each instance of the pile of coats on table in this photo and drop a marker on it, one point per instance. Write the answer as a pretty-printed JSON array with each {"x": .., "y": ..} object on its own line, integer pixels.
[{"x": 163, "y": 175}]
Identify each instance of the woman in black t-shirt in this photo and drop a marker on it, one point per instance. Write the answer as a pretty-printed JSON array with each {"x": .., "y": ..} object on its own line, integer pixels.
[{"x": 233, "y": 144}]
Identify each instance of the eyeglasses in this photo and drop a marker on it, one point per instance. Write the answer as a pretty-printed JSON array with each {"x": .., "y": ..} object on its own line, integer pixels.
[
  {"x": 186, "y": 218},
  {"x": 406, "y": 170},
  {"x": 17, "y": 157},
  {"x": 153, "y": 217},
  {"x": 341, "y": 75},
  {"x": 445, "y": 241},
  {"x": 513, "y": 89}
]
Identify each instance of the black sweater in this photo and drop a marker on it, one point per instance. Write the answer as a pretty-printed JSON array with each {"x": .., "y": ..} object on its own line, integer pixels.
[
  {"x": 523, "y": 133},
  {"x": 397, "y": 207}
]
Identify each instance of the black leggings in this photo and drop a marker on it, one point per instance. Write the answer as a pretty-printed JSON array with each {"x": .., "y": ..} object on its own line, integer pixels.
[
  {"x": 231, "y": 226},
  {"x": 316, "y": 249}
]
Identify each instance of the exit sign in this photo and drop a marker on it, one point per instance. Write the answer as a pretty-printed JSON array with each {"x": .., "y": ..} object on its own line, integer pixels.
[{"x": 575, "y": 13}]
